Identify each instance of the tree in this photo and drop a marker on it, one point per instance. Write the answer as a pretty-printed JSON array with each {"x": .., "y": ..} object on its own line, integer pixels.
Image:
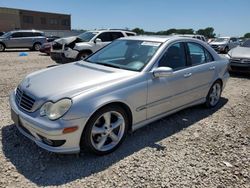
[
  {"x": 207, "y": 32},
  {"x": 247, "y": 35},
  {"x": 138, "y": 31}
]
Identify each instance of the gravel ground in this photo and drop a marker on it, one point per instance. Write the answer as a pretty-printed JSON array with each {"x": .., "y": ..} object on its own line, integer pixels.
[{"x": 196, "y": 147}]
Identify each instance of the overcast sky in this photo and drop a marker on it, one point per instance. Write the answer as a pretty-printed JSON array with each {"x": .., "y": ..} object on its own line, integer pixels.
[{"x": 228, "y": 17}]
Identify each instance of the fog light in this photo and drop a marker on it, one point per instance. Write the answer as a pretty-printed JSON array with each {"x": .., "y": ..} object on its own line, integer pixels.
[{"x": 70, "y": 129}]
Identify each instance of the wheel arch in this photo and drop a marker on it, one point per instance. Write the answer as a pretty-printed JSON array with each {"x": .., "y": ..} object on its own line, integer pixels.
[
  {"x": 3, "y": 44},
  {"x": 121, "y": 104}
]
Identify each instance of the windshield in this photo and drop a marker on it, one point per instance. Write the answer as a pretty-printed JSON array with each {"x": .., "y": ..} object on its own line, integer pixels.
[
  {"x": 126, "y": 54},
  {"x": 6, "y": 34},
  {"x": 246, "y": 44},
  {"x": 86, "y": 36},
  {"x": 221, "y": 40}
]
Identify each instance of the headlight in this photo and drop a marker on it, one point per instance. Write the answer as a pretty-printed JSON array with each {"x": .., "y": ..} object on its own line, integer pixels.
[
  {"x": 55, "y": 110},
  {"x": 228, "y": 56}
]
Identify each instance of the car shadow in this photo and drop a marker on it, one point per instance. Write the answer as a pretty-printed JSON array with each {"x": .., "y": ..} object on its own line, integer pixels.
[{"x": 49, "y": 169}]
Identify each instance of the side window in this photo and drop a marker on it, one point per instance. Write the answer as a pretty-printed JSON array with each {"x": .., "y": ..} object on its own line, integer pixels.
[
  {"x": 174, "y": 57},
  {"x": 197, "y": 54},
  {"x": 209, "y": 57},
  {"x": 130, "y": 34},
  {"x": 105, "y": 37},
  {"x": 116, "y": 35},
  {"x": 17, "y": 35},
  {"x": 27, "y": 34}
]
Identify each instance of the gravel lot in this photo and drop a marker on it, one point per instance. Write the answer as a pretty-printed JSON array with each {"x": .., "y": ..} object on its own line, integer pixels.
[{"x": 196, "y": 147}]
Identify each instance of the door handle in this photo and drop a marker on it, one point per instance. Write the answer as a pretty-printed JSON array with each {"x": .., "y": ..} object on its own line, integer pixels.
[
  {"x": 187, "y": 75},
  {"x": 212, "y": 68}
]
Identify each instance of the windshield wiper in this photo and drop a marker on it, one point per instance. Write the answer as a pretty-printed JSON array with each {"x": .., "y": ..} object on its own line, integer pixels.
[{"x": 109, "y": 65}]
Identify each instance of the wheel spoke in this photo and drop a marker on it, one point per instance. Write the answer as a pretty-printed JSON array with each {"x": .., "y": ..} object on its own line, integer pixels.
[
  {"x": 97, "y": 130},
  {"x": 113, "y": 136},
  {"x": 101, "y": 142},
  {"x": 107, "y": 118},
  {"x": 117, "y": 123}
]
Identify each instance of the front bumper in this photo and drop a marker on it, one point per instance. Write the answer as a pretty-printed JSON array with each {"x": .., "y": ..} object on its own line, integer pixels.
[
  {"x": 60, "y": 58},
  {"x": 239, "y": 67},
  {"x": 38, "y": 130}
]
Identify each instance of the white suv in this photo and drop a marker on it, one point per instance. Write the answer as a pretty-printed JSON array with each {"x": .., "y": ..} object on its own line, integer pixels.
[{"x": 65, "y": 50}]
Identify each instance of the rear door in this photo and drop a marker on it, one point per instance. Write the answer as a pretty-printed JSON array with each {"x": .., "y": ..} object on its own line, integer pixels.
[
  {"x": 203, "y": 70},
  {"x": 28, "y": 39}
]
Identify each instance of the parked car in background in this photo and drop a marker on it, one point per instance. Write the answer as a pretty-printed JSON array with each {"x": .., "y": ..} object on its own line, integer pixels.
[
  {"x": 71, "y": 49},
  {"x": 239, "y": 58},
  {"x": 133, "y": 81},
  {"x": 32, "y": 39},
  {"x": 224, "y": 44},
  {"x": 45, "y": 48},
  {"x": 1, "y": 33}
]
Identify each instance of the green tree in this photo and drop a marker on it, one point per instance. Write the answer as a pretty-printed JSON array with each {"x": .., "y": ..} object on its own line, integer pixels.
[
  {"x": 247, "y": 35},
  {"x": 207, "y": 32},
  {"x": 139, "y": 31}
]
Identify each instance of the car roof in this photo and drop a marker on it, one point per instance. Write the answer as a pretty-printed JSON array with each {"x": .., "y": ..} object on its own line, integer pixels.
[
  {"x": 30, "y": 30},
  {"x": 153, "y": 38},
  {"x": 110, "y": 30}
]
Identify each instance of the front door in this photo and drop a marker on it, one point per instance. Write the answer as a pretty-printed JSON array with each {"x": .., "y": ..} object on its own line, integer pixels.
[{"x": 169, "y": 93}]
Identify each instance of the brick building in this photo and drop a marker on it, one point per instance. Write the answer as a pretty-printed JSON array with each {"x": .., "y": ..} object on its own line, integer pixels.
[{"x": 11, "y": 19}]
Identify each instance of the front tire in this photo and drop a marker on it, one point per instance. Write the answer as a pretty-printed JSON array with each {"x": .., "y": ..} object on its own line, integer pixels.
[
  {"x": 214, "y": 95},
  {"x": 2, "y": 47},
  {"x": 105, "y": 130}
]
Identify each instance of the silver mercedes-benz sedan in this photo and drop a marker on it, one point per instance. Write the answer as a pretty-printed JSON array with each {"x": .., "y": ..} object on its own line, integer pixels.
[{"x": 129, "y": 83}]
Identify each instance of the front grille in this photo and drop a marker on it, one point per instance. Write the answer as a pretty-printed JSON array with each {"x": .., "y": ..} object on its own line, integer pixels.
[
  {"x": 235, "y": 60},
  {"x": 238, "y": 60},
  {"x": 246, "y": 60},
  {"x": 214, "y": 46},
  {"x": 23, "y": 100},
  {"x": 57, "y": 46}
]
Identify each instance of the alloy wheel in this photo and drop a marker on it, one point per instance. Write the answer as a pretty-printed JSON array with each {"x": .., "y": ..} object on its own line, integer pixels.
[
  {"x": 215, "y": 94},
  {"x": 107, "y": 131}
]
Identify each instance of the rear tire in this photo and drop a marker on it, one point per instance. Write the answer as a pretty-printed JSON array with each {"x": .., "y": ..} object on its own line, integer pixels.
[
  {"x": 37, "y": 46},
  {"x": 105, "y": 130},
  {"x": 214, "y": 95},
  {"x": 2, "y": 47}
]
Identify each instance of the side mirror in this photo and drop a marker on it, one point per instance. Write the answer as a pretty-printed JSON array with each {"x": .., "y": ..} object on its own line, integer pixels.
[
  {"x": 162, "y": 72},
  {"x": 97, "y": 40}
]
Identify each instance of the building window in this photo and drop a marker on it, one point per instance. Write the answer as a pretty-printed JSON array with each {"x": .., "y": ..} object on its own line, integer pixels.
[
  {"x": 65, "y": 22},
  {"x": 28, "y": 19},
  {"x": 43, "y": 20},
  {"x": 53, "y": 21}
]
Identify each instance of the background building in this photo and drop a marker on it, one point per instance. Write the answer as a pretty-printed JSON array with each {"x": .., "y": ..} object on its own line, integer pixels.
[{"x": 11, "y": 19}]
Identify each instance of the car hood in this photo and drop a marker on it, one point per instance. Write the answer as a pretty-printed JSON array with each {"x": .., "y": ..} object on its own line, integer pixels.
[
  {"x": 66, "y": 40},
  {"x": 218, "y": 43},
  {"x": 71, "y": 80},
  {"x": 240, "y": 52}
]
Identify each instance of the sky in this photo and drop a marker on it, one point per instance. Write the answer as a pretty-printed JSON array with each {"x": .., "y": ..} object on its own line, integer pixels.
[{"x": 227, "y": 17}]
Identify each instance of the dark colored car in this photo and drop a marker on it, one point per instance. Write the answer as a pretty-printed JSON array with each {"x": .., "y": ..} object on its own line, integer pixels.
[
  {"x": 1, "y": 33},
  {"x": 45, "y": 48},
  {"x": 51, "y": 38}
]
